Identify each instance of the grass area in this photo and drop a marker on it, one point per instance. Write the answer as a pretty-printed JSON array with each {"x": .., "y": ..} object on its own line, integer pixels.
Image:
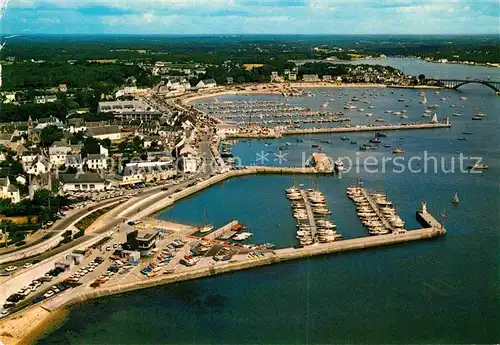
[{"x": 84, "y": 223}]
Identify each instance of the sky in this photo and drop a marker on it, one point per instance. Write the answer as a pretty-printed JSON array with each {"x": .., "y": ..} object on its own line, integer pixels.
[{"x": 250, "y": 16}]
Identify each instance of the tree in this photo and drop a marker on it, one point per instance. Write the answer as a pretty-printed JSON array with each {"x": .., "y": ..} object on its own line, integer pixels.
[
  {"x": 90, "y": 146},
  {"x": 421, "y": 77},
  {"x": 50, "y": 134}
]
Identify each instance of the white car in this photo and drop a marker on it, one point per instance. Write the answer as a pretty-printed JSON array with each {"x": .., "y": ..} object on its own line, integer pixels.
[
  {"x": 11, "y": 268},
  {"x": 27, "y": 265},
  {"x": 4, "y": 313},
  {"x": 48, "y": 294}
]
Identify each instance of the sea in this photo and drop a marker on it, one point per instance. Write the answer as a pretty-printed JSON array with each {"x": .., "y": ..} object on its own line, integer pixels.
[{"x": 444, "y": 290}]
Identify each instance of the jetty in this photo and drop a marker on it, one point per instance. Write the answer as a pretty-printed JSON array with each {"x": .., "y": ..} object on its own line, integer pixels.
[
  {"x": 310, "y": 215},
  {"x": 376, "y": 208},
  {"x": 361, "y": 128}
]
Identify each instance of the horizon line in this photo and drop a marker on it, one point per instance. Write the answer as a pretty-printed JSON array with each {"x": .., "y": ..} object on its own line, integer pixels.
[{"x": 21, "y": 34}]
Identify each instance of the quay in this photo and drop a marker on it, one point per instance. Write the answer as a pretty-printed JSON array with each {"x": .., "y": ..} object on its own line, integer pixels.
[
  {"x": 434, "y": 230},
  {"x": 446, "y": 124}
]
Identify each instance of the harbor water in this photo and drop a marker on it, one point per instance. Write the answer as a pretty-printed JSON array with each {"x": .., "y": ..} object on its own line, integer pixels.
[{"x": 438, "y": 291}]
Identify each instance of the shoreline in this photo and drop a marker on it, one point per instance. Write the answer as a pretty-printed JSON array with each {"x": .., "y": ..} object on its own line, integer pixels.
[
  {"x": 188, "y": 100},
  {"x": 42, "y": 321}
]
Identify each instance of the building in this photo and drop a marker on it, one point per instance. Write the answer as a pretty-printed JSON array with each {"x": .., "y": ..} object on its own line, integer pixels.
[
  {"x": 188, "y": 160},
  {"x": 74, "y": 161},
  {"x": 327, "y": 78},
  {"x": 129, "y": 110},
  {"x": 45, "y": 99},
  {"x": 142, "y": 241},
  {"x": 9, "y": 191},
  {"x": 225, "y": 129},
  {"x": 206, "y": 84},
  {"x": 229, "y": 80},
  {"x": 63, "y": 88},
  {"x": 29, "y": 157},
  {"x": 58, "y": 154},
  {"x": 79, "y": 182},
  {"x": 96, "y": 162},
  {"x": 39, "y": 166},
  {"x": 292, "y": 76},
  {"x": 112, "y": 133},
  {"x": 310, "y": 78}
]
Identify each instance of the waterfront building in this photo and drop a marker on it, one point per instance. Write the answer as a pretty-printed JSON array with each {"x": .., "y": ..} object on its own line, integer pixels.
[
  {"x": 206, "y": 84},
  {"x": 224, "y": 129},
  {"x": 292, "y": 76},
  {"x": 142, "y": 241},
  {"x": 310, "y": 78},
  {"x": 79, "y": 182}
]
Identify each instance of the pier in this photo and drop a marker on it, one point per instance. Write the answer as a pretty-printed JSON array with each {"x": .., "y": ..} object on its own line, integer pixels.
[
  {"x": 310, "y": 215},
  {"x": 376, "y": 209}
]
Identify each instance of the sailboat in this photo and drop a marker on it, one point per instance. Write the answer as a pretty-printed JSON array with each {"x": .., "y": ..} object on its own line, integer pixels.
[
  {"x": 206, "y": 227},
  {"x": 434, "y": 118},
  {"x": 455, "y": 199}
]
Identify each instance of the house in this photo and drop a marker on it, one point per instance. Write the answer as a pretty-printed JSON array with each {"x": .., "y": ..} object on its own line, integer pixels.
[
  {"x": 274, "y": 76},
  {"x": 112, "y": 133},
  {"x": 229, "y": 80},
  {"x": 292, "y": 76},
  {"x": 48, "y": 121},
  {"x": 206, "y": 84},
  {"x": 39, "y": 166},
  {"x": 45, "y": 99},
  {"x": 96, "y": 162},
  {"x": 188, "y": 160},
  {"x": 9, "y": 191},
  {"x": 63, "y": 88},
  {"x": 28, "y": 157},
  {"x": 58, "y": 153},
  {"x": 327, "y": 78},
  {"x": 79, "y": 182},
  {"x": 74, "y": 161},
  {"x": 310, "y": 78},
  {"x": 9, "y": 97}
]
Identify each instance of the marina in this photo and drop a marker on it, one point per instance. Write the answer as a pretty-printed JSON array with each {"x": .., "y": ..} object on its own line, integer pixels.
[
  {"x": 376, "y": 212},
  {"x": 311, "y": 214}
]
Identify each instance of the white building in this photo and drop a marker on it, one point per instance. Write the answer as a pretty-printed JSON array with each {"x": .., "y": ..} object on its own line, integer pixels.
[
  {"x": 292, "y": 76},
  {"x": 58, "y": 154},
  {"x": 79, "y": 182},
  {"x": 224, "y": 129},
  {"x": 39, "y": 166},
  {"x": 96, "y": 162},
  {"x": 9, "y": 191},
  {"x": 188, "y": 160},
  {"x": 29, "y": 157},
  {"x": 309, "y": 78},
  {"x": 112, "y": 133},
  {"x": 74, "y": 161},
  {"x": 206, "y": 84}
]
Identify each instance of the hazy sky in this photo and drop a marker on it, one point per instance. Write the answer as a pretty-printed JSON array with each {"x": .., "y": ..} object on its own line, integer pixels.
[{"x": 252, "y": 16}]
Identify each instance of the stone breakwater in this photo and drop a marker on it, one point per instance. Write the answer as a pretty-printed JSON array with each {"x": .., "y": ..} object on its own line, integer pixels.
[{"x": 280, "y": 255}]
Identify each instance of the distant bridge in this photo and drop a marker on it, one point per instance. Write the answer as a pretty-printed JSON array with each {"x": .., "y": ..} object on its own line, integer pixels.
[{"x": 456, "y": 83}]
